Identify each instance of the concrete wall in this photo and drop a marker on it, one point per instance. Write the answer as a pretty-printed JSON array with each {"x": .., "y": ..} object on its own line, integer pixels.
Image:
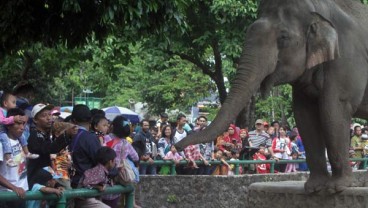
[{"x": 207, "y": 191}]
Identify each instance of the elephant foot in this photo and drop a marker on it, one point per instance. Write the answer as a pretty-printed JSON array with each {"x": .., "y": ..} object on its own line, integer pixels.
[
  {"x": 339, "y": 184},
  {"x": 315, "y": 184}
]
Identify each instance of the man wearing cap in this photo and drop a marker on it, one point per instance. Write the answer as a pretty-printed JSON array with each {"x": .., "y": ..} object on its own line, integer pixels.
[
  {"x": 41, "y": 141},
  {"x": 259, "y": 136},
  {"x": 85, "y": 144}
]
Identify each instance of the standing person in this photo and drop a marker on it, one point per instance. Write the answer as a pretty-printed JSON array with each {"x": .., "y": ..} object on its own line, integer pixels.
[
  {"x": 356, "y": 142},
  {"x": 193, "y": 153},
  {"x": 179, "y": 132},
  {"x": 98, "y": 178},
  {"x": 14, "y": 175},
  {"x": 46, "y": 183},
  {"x": 206, "y": 149},
  {"x": 145, "y": 146},
  {"x": 259, "y": 136},
  {"x": 7, "y": 103},
  {"x": 25, "y": 94},
  {"x": 163, "y": 121},
  {"x": 85, "y": 144},
  {"x": 299, "y": 143},
  {"x": 163, "y": 147},
  {"x": 232, "y": 140},
  {"x": 281, "y": 149},
  {"x": 41, "y": 142},
  {"x": 276, "y": 126},
  {"x": 174, "y": 156},
  {"x": 260, "y": 155},
  {"x": 166, "y": 140},
  {"x": 124, "y": 150}
]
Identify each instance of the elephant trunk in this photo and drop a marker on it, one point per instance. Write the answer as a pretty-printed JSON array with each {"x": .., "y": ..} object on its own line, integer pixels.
[{"x": 251, "y": 72}]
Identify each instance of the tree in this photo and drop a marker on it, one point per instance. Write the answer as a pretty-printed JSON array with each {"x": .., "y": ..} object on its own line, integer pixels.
[{"x": 23, "y": 23}]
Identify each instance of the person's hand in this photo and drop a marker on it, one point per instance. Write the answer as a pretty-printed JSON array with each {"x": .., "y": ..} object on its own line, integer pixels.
[
  {"x": 205, "y": 162},
  {"x": 23, "y": 118},
  {"x": 101, "y": 188},
  {"x": 150, "y": 161},
  {"x": 58, "y": 192},
  {"x": 17, "y": 119},
  {"x": 275, "y": 158},
  {"x": 228, "y": 153},
  {"x": 176, "y": 162},
  {"x": 19, "y": 191}
]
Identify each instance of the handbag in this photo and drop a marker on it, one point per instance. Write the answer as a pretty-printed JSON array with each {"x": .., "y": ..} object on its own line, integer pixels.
[{"x": 125, "y": 174}]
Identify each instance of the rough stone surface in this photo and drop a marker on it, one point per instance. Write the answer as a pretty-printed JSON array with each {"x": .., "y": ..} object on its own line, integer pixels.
[
  {"x": 227, "y": 191},
  {"x": 291, "y": 194}
]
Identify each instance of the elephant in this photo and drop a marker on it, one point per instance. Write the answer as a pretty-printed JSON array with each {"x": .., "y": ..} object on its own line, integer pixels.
[{"x": 319, "y": 47}]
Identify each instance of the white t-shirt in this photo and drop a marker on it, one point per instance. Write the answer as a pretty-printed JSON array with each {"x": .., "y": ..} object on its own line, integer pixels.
[
  {"x": 179, "y": 136},
  {"x": 15, "y": 175}
]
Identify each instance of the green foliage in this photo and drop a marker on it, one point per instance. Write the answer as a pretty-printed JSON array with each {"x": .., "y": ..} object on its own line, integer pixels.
[
  {"x": 25, "y": 22},
  {"x": 172, "y": 198},
  {"x": 277, "y": 106}
]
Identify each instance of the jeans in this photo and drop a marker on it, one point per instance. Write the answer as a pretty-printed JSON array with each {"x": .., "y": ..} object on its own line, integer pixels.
[{"x": 147, "y": 170}]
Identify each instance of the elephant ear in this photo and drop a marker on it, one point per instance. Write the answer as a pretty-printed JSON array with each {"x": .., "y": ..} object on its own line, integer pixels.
[{"x": 322, "y": 42}]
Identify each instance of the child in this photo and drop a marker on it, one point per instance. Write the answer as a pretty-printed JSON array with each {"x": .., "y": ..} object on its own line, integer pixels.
[
  {"x": 97, "y": 178},
  {"x": 224, "y": 167},
  {"x": 172, "y": 155},
  {"x": 353, "y": 164},
  {"x": 291, "y": 167},
  {"x": 8, "y": 101},
  {"x": 44, "y": 182},
  {"x": 234, "y": 157},
  {"x": 100, "y": 125},
  {"x": 260, "y": 155}
]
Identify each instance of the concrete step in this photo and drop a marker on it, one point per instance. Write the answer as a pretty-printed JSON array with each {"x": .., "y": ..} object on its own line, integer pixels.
[{"x": 287, "y": 194}]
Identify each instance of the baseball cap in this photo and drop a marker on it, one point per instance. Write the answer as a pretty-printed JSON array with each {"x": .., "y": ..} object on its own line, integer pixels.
[
  {"x": 259, "y": 121},
  {"x": 81, "y": 113},
  {"x": 40, "y": 107}
]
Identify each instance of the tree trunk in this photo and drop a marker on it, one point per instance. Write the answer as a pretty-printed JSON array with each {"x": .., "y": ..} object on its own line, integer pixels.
[{"x": 246, "y": 117}]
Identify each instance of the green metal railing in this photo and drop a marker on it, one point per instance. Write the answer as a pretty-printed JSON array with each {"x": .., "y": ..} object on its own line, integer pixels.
[
  {"x": 237, "y": 163},
  {"x": 74, "y": 193}
]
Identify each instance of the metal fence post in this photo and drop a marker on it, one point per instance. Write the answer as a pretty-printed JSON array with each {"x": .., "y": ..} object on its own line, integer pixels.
[
  {"x": 62, "y": 202},
  {"x": 129, "y": 200}
]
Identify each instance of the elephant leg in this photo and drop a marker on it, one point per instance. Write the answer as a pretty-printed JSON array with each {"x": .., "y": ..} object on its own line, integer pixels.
[
  {"x": 335, "y": 117},
  {"x": 309, "y": 125}
]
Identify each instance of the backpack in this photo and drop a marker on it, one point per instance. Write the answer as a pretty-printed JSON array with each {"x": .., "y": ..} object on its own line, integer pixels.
[{"x": 125, "y": 174}]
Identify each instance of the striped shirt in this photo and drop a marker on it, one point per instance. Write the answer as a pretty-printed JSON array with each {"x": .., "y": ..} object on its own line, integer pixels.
[{"x": 257, "y": 139}]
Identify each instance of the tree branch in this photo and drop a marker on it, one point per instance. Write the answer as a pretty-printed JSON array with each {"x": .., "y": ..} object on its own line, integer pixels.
[{"x": 205, "y": 69}]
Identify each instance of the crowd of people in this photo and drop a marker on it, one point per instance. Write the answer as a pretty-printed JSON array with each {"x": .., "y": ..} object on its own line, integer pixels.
[{"x": 40, "y": 151}]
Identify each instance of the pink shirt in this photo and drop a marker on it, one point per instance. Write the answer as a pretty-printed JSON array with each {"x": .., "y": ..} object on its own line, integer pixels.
[
  {"x": 171, "y": 156},
  {"x": 3, "y": 119}
]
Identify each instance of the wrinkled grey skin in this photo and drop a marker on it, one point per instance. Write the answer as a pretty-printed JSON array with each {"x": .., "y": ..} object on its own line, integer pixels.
[{"x": 320, "y": 48}]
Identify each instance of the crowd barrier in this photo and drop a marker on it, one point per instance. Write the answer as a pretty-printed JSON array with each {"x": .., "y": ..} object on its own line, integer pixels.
[
  {"x": 74, "y": 193},
  {"x": 237, "y": 163},
  {"x": 129, "y": 189}
]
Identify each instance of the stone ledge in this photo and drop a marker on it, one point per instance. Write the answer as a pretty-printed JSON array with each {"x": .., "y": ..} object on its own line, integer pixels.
[{"x": 291, "y": 194}]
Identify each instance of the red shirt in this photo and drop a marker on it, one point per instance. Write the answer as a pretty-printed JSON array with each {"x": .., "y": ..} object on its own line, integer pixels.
[
  {"x": 261, "y": 168},
  {"x": 192, "y": 152}
]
